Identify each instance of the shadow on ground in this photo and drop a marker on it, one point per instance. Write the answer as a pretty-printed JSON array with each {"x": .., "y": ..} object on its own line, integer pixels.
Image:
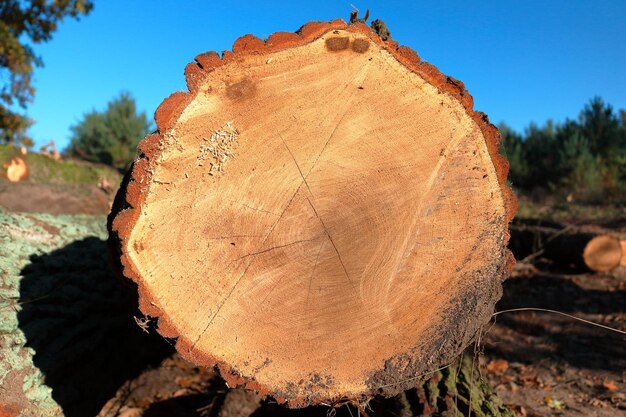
[
  {"x": 205, "y": 405},
  {"x": 78, "y": 317},
  {"x": 529, "y": 337}
]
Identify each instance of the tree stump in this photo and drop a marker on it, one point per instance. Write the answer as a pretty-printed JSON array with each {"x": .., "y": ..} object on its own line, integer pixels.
[{"x": 322, "y": 215}]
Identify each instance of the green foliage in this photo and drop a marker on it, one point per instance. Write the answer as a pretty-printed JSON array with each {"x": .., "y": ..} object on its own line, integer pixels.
[
  {"x": 584, "y": 158},
  {"x": 13, "y": 127},
  {"x": 22, "y": 24},
  {"x": 110, "y": 136},
  {"x": 513, "y": 147},
  {"x": 583, "y": 170}
]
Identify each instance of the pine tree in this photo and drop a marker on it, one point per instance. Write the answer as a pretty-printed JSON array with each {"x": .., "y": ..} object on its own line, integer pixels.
[{"x": 110, "y": 136}]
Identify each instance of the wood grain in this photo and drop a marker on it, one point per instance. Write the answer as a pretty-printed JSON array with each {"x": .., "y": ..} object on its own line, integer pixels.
[{"x": 323, "y": 216}]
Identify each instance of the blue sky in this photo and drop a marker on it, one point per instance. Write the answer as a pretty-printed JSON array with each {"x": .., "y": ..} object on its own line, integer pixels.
[{"x": 522, "y": 61}]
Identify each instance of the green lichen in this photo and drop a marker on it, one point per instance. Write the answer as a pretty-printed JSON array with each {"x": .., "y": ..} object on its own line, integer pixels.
[{"x": 22, "y": 236}]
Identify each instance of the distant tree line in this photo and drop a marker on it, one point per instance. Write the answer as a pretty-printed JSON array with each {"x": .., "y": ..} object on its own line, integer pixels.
[
  {"x": 583, "y": 158},
  {"x": 110, "y": 136}
]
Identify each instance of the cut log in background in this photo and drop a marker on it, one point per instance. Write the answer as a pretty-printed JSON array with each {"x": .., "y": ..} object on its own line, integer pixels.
[
  {"x": 322, "y": 215},
  {"x": 579, "y": 247},
  {"x": 17, "y": 170}
]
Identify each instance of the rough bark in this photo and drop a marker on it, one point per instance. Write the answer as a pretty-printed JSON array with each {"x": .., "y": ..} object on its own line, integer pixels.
[{"x": 308, "y": 216}]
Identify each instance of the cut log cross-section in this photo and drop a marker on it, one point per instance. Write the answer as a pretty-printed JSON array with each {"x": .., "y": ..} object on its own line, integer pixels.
[
  {"x": 322, "y": 215},
  {"x": 603, "y": 253}
]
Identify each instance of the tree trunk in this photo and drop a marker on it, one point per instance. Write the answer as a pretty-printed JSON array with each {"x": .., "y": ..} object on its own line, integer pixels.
[
  {"x": 579, "y": 247},
  {"x": 322, "y": 215}
]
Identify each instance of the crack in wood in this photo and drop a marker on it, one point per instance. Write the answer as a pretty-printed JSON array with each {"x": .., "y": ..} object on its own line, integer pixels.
[
  {"x": 317, "y": 258},
  {"x": 221, "y": 304},
  {"x": 334, "y": 246},
  {"x": 274, "y": 248},
  {"x": 317, "y": 214},
  {"x": 253, "y": 208},
  {"x": 231, "y": 237}
]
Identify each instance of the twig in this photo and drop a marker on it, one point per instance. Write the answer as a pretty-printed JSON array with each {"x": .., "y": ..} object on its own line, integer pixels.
[
  {"x": 543, "y": 247},
  {"x": 497, "y": 313},
  {"x": 354, "y": 15}
]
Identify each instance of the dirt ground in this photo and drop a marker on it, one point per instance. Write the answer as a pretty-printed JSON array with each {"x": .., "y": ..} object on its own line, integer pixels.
[
  {"x": 544, "y": 364},
  {"x": 27, "y": 197}
]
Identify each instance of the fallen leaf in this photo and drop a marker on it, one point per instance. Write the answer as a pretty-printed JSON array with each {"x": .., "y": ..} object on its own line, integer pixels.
[
  {"x": 610, "y": 385},
  {"x": 498, "y": 366},
  {"x": 598, "y": 403},
  {"x": 184, "y": 382},
  {"x": 130, "y": 412},
  {"x": 554, "y": 403},
  {"x": 519, "y": 411},
  {"x": 181, "y": 392}
]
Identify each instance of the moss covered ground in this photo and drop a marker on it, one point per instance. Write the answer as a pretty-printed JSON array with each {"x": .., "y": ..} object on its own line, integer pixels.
[{"x": 22, "y": 237}]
